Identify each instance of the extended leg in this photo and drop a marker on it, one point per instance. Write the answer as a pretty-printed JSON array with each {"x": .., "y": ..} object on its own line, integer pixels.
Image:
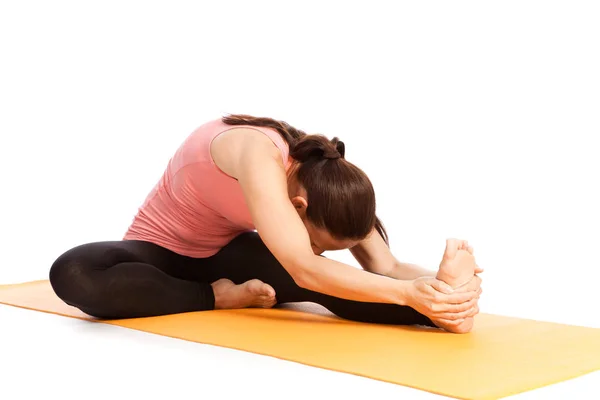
[{"x": 246, "y": 257}]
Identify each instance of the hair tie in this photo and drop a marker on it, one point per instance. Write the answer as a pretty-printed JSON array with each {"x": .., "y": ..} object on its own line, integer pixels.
[
  {"x": 332, "y": 155},
  {"x": 337, "y": 151}
]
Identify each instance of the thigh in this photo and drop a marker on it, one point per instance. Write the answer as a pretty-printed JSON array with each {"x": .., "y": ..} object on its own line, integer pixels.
[{"x": 104, "y": 255}]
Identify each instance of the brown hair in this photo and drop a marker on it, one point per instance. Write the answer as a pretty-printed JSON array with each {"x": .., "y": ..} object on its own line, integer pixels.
[{"x": 341, "y": 198}]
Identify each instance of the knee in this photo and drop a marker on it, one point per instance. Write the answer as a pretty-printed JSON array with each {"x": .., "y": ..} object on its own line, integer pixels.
[
  {"x": 70, "y": 279},
  {"x": 251, "y": 246}
]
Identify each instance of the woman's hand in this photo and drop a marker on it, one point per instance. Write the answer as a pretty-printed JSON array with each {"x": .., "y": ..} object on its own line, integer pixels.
[
  {"x": 439, "y": 302},
  {"x": 473, "y": 285}
]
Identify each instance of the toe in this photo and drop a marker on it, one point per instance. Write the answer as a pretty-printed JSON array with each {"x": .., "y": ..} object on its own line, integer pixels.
[
  {"x": 268, "y": 291},
  {"x": 267, "y": 301},
  {"x": 452, "y": 246}
]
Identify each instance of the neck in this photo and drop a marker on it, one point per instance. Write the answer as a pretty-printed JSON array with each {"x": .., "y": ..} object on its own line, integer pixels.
[{"x": 292, "y": 182}]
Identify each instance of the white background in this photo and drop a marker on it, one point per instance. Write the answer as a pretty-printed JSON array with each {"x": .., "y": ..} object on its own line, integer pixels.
[{"x": 476, "y": 120}]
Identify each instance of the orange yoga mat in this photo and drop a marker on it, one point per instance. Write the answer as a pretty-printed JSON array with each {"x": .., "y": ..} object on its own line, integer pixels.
[{"x": 501, "y": 357}]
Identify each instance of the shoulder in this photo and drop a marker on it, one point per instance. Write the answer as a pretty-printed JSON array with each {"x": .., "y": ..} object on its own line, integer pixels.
[
  {"x": 255, "y": 135},
  {"x": 249, "y": 139},
  {"x": 236, "y": 147}
]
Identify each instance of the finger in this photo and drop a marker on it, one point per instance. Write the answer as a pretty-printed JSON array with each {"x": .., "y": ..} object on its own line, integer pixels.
[
  {"x": 471, "y": 312},
  {"x": 459, "y": 297},
  {"x": 478, "y": 269},
  {"x": 441, "y": 286},
  {"x": 470, "y": 249},
  {"x": 457, "y": 308}
]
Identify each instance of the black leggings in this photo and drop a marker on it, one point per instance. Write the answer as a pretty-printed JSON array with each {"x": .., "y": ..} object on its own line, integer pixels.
[{"x": 130, "y": 279}]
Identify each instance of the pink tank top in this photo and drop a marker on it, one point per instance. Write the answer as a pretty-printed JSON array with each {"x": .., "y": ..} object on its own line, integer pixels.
[{"x": 195, "y": 209}]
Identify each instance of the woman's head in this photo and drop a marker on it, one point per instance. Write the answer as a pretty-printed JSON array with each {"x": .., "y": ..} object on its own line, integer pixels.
[
  {"x": 332, "y": 195},
  {"x": 334, "y": 198}
]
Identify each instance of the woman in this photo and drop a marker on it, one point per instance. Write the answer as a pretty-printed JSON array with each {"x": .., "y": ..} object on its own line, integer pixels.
[{"x": 192, "y": 245}]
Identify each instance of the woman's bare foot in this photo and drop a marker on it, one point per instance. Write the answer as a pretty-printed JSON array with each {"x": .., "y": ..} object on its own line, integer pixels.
[
  {"x": 253, "y": 293},
  {"x": 458, "y": 264},
  {"x": 456, "y": 269}
]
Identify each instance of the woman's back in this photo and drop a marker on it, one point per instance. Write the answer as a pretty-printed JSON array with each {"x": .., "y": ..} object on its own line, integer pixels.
[{"x": 195, "y": 209}]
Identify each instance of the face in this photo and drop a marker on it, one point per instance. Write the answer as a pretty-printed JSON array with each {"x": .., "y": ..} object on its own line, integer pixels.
[{"x": 321, "y": 240}]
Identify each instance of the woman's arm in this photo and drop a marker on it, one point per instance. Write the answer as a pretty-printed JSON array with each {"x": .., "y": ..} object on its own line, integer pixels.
[
  {"x": 250, "y": 157},
  {"x": 409, "y": 271},
  {"x": 375, "y": 256},
  {"x": 262, "y": 177}
]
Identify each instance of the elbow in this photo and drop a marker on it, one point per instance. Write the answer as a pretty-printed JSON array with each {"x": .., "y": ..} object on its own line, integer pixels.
[
  {"x": 301, "y": 275},
  {"x": 302, "y": 279}
]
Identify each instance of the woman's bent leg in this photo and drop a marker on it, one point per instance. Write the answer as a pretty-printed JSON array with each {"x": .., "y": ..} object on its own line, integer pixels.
[
  {"x": 126, "y": 279},
  {"x": 246, "y": 257}
]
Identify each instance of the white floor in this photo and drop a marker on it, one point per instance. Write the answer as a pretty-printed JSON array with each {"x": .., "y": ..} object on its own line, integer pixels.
[{"x": 47, "y": 355}]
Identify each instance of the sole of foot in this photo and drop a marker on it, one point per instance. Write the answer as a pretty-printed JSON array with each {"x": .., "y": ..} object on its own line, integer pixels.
[
  {"x": 456, "y": 269},
  {"x": 251, "y": 294}
]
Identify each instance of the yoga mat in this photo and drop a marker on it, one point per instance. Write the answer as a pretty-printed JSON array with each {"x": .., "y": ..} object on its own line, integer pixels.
[{"x": 501, "y": 357}]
